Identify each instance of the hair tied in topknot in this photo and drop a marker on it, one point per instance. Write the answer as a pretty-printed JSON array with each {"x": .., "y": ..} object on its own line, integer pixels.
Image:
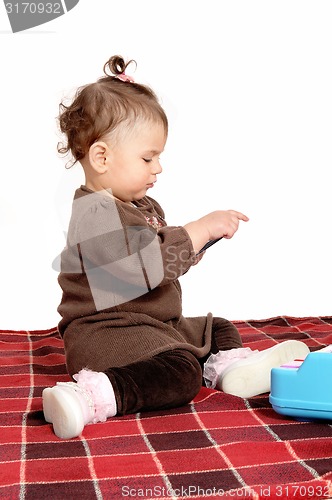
[{"x": 117, "y": 67}]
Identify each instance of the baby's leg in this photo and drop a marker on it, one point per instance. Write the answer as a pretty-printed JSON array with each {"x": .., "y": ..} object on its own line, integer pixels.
[
  {"x": 225, "y": 336},
  {"x": 167, "y": 380}
]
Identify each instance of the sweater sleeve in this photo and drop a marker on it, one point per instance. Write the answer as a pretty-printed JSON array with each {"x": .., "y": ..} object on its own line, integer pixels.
[{"x": 177, "y": 252}]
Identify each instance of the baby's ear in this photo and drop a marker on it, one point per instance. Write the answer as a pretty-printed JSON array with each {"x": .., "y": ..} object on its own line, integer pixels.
[{"x": 98, "y": 154}]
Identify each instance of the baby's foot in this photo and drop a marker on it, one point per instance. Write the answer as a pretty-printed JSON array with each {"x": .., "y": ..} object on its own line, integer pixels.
[
  {"x": 69, "y": 406},
  {"x": 252, "y": 376}
]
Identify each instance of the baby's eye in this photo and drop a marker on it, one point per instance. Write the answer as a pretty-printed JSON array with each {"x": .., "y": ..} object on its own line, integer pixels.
[{"x": 147, "y": 160}]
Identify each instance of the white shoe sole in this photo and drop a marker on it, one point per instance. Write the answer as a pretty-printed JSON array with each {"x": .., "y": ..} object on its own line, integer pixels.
[
  {"x": 252, "y": 376},
  {"x": 64, "y": 411}
]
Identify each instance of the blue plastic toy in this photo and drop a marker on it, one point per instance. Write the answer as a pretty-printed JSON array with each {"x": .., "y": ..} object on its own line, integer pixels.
[{"x": 303, "y": 389}]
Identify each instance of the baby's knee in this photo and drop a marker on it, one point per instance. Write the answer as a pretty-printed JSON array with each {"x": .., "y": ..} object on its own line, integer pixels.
[{"x": 191, "y": 375}]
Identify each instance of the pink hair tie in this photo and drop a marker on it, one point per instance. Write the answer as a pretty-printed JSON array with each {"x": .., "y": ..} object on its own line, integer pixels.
[{"x": 125, "y": 78}]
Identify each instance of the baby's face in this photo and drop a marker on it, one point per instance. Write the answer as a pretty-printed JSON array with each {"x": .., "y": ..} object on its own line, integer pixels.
[{"x": 133, "y": 161}]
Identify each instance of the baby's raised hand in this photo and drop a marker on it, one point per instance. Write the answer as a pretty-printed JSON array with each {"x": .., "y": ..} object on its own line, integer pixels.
[
  {"x": 223, "y": 223},
  {"x": 218, "y": 224}
]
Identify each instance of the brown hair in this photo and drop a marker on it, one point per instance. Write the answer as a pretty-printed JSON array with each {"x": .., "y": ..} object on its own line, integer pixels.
[{"x": 99, "y": 108}]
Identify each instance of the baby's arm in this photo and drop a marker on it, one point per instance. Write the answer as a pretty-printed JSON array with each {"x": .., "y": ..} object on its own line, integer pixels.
[{"x": 218, "y": 224}]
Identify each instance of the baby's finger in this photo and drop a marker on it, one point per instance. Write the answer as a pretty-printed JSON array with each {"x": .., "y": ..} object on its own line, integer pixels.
[{"x": 240, "y": 215}]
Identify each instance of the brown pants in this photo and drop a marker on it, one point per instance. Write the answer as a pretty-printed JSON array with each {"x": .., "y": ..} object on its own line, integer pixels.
[{"x": 169, "y": 379}]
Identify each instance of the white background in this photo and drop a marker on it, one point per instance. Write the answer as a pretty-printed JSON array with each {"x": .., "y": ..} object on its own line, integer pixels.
[{"x": 247, "y": 88}]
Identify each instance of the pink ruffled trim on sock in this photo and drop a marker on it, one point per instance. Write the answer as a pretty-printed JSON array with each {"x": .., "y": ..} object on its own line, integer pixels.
[
  {"x": 102, "y": 393},
  {"x": 217, "y": 363}
]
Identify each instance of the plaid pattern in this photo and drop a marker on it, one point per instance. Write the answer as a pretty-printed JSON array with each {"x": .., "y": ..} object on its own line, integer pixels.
[{"x": 218, "y": 446}]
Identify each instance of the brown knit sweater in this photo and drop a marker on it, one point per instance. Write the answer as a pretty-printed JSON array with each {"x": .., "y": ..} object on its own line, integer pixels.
[{"x": 119, "y": 276}]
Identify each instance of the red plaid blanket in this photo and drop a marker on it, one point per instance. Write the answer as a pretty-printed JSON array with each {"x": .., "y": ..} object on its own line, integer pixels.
[{"x": 218, "y": 446}]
